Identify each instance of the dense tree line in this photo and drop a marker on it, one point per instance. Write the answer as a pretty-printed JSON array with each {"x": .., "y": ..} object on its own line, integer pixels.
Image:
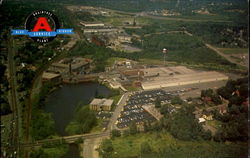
[
  {"x": 183, "y": 125},
  {"x": 234, "y": 122},
  {"x": 220, "y": 34},
  {"x": 83, "y": 121},
  {"x": 55, "y": 150},
  {"x": 42, "y": 123},
  {"x": 4, "y": 88},
  {"x": 211, "y": 96},
  {"x": 106, "y": 149},
  {"x": 181, "y": 48}
]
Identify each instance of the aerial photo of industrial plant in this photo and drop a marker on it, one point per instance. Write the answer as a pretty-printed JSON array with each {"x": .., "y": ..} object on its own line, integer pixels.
[{"x": 124, "y": 78}]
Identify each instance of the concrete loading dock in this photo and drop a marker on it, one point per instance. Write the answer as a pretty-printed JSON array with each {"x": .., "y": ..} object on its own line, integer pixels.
[{"x": 183, "y": 79}]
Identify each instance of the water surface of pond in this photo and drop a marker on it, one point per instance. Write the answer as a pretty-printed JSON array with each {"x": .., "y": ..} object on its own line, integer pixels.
[{"x": 63, "y": 101}]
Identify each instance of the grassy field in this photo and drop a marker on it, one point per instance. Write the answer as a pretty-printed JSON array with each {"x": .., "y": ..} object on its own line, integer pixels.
[
  {"x": 182, "y": 49},
  {"x": 116, "y": 98},
  {"x": 234, "y": 50},
  {"x": 130, "y": 146}
]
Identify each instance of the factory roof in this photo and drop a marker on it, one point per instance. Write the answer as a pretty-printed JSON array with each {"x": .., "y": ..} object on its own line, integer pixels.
[
  {"x": 48, "y": 75},
  {"x": 183, "y": 79},
  {"x": 75, "y": 63},
  {"x": 165, "y": 71}
]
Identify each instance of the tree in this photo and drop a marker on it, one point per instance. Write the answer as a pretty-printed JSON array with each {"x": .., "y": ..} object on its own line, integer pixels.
[
  {"x": 157, "y": 103},
  {"x": 243, "y": 90},
  {"x": 206, "y": 135},
  {"x": 237, "y": 100},
  {"x": 183, "y": 124},
  {"x": 165, "y": 109},
  {"x": 51, "y": 151},
  {"x": 207, "y": 93},
  {"x": 132, "y": 128},
  {"x": 147, "y": 126},
  {"x": 83, "y": 121},
  {"x": 224, "y": 92},
  {"x": 115, "y": 133},
  {"x": 231, "y": 85},
  {"x": 176, "y": 100},
  {"x": 234, "y": 109},
  {"x": 5, "y": 107},
  {"x": 43, "y": 125},
  {"x": 216, "y": 99},
  {"x": 106, "y": 149}
]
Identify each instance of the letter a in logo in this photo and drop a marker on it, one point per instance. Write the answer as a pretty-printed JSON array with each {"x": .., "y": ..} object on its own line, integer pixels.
[{"x": 42, "y": 23}]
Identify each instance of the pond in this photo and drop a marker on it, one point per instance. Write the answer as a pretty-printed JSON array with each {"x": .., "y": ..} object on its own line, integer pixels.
[{"x": 63, "y": 101}]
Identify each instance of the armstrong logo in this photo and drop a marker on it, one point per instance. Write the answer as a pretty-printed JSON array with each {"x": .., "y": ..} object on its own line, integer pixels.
[{"x": 42, "y": 26}]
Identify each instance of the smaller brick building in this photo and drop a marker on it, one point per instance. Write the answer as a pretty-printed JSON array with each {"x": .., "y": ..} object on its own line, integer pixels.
[{"x": 101, "y": 104}]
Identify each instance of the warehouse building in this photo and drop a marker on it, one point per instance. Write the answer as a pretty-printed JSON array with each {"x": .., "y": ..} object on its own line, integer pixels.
[
  {"x": 47, "y": 76},
  {"x": 183, "y": 79},
  {"x": 75, "y": 65},
  {"x": 92, "y": 24},
  {"x": 101, "y": 104},
  {"x": 166, "y": 71}
]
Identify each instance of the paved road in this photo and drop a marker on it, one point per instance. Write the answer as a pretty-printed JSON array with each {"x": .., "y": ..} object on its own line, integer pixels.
[
  {"x": 218, "y": 51},
  {"x": 223, "y": 55},
  {"x": 14, "y": 97},
  {"x": 69, "y": 139},
  {"x": 144, "y": 14},
  {"x": 117, "y": 112},
  {"x": 91, "y": 144}
]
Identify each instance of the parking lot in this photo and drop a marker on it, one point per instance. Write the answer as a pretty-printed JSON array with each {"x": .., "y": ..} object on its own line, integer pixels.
[{"x": 133, "y": 110}]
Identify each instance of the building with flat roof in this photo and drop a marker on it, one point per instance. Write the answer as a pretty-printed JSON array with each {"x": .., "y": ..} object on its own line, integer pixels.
[
  {"x": 75, "y": 65},
  {"x": 166, "y": 71},
  {"x": 101, "y": 104},
  {"x": 183, "y": 79},
  {"x": 91, "y": 24},
  {"x": 150, "y": 108},
  {"x": 47, "y": 76}
]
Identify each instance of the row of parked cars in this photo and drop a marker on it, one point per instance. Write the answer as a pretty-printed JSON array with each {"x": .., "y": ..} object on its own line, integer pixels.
[{"x": 133, "y": 110}]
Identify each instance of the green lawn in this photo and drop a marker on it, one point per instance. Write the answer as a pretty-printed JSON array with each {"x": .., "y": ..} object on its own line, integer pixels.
[
  {"x": 131, "y": 88},
  {"x": 129, "y": 146},
  {"x": 116, "y": 98},
  {"x": 234, "y": 50}
]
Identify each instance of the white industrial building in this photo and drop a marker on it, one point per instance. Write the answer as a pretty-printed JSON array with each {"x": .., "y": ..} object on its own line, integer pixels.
[
  {"x": 183, "y": 79},
  {"x": 91, "y": 24}
]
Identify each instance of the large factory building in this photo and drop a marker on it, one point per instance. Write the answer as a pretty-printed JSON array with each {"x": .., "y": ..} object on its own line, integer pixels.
[{"x": 183, "y": 79}]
